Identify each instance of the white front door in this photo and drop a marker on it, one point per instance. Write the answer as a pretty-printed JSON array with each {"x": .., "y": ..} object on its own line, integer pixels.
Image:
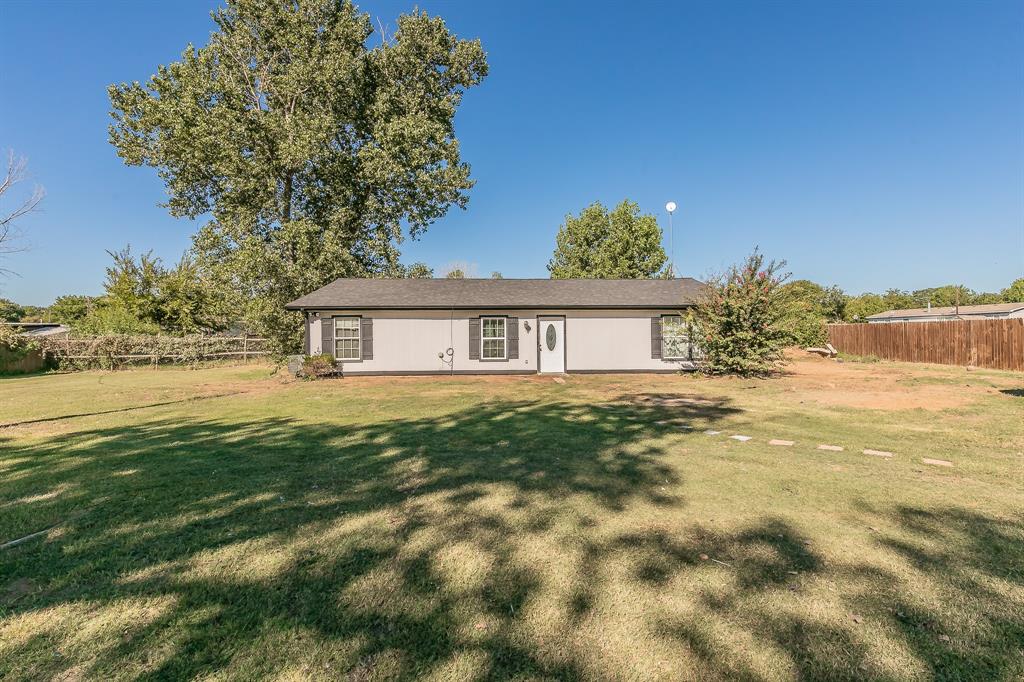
[{"x": 551, "y": 338}]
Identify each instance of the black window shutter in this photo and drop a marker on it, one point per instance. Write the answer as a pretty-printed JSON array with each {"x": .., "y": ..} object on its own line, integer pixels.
[
  {"x": 512, "y": 333},
  {"x": 474, "y": 338},
  {"x": 307, "y": 341},
  {"x": 656, "y": 338},
  {"x": 366, "y": 337},
  {"x": 327, "y": 335}
]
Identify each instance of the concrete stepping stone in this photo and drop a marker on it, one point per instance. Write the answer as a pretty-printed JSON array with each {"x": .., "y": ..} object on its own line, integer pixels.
[
  {"x": 712, "y": 433},
  {"x": 937, "y": 462},
  {"x": 830, "y": 448},
  {"x": 742, "y": 439},
  {"x": 776, "y": 441},
  {"x": 877, "y": 453}
]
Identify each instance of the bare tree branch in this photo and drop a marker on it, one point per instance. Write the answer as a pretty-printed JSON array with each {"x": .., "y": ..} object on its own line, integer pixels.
[{"x": 16, "y": 173}]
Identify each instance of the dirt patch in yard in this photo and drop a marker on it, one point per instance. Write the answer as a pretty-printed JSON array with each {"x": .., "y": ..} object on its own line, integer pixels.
[
  {"x": 811, "y": 379},
  {"x": 882, "y": 386}
]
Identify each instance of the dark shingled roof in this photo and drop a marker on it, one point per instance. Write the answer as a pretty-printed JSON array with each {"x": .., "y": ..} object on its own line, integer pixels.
[{"x": 383, "y": 294}]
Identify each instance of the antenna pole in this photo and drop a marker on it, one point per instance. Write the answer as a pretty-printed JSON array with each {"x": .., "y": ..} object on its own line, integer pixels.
[
  {"x": 672, "y": 246},
  {"x": 671, "y": 208}
]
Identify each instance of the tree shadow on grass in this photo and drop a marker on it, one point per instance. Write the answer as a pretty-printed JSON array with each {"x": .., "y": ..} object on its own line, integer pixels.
[
  {"x": 426, "y": 546},
  {"x": 353, "y": 534},
  {"x": 962, "y": 554},
  {"x": 958, "y": 613}
]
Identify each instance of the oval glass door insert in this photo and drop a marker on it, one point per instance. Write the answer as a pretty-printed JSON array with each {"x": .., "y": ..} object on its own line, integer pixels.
[{"x": 549, "y": 336}]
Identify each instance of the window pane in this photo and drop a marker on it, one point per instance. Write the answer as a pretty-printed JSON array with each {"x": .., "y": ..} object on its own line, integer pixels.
[
  {"x": 494, "y": 349},
  {"x": 346, "y": 349},
  {"x": 675, "y": 344},
  {"x": 675, "y": 347},
  {"x": 493, "y": 327},
  {"x": 346, "y": 327}
]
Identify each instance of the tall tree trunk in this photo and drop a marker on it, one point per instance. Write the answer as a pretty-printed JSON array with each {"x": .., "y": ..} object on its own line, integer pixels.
[
  {"x": 286, "y": 209},
  {"x": 286, "y": 212}
]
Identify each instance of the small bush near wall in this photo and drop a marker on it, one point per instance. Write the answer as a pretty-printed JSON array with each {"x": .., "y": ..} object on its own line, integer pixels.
[{"x": 319, "y": 366}]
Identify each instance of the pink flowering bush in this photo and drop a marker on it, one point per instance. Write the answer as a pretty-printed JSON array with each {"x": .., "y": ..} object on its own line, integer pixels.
[{"x": 743, "y": 320}]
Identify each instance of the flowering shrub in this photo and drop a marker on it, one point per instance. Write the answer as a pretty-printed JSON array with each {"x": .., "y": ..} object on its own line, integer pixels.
[{"x": 742, "y": 322}]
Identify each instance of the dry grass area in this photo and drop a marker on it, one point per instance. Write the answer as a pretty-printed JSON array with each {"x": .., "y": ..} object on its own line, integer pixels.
[{"x": 226, "y": 524}]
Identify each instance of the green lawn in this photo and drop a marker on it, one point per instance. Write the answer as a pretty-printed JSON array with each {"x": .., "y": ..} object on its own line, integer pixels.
[{"x": 222, "y": 523}]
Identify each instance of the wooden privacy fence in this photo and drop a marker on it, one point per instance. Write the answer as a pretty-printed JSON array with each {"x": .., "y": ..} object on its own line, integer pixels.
[
  {"x": 18, "y": 362},
  {"x": 997, "y": 344},
  {"x": 110, "y": 352}
]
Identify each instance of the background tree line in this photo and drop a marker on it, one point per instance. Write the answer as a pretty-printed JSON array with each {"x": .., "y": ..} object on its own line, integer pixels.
[{"x": 142, "y": 295}]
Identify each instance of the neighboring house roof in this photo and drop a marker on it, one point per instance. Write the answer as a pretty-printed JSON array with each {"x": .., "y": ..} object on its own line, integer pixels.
[
  {"x": 55, "y": 330},
  {"x": 38, "y": 328},
  {"x": 382, "y": 294},
  {"x": 951, "y": 311}
]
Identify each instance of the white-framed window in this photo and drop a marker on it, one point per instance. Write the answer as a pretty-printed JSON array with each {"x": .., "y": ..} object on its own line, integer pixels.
[
  {"x": 346, "y": 338},
  {"x": 675, "y": 342},
  {"x": 492, "y": 338}
]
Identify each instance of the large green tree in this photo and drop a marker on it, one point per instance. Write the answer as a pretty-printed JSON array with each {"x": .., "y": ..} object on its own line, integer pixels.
[
  {"x": 598, "y": 244},
  {"x": 858, "y": 308},
  {"x": 947, "y": 295},
  {"x": 10, "y": 311},
  {"x": 71, "y": 308},
  {"x": 812, "y": 306},
  {"x": 177, "y": 300},
  {"x": 418, "y": 271},
  {"x": 1014, "y": 293},
  {"x": 308, "y": 146}
]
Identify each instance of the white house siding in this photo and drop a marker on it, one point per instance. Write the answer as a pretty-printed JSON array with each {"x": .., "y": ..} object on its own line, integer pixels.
[
  {"x": 407, "y": 341},
  {"x": 612, "y": 340}
]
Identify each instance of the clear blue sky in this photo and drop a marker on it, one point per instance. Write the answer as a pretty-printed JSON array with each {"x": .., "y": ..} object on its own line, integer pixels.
[{"x": 871, "y": 144}]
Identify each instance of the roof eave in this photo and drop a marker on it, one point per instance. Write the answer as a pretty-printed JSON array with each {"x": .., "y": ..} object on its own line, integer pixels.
[{"x": 631, "y": 306}]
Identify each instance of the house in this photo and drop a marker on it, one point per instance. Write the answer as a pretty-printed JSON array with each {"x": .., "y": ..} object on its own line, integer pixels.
[
  {"x": 501, "y": 326},
  {"x": 39, "y": 330},
  {"x": 988, "y": 311}
]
